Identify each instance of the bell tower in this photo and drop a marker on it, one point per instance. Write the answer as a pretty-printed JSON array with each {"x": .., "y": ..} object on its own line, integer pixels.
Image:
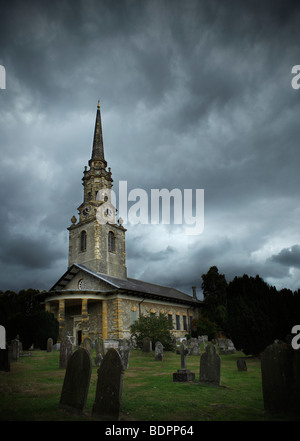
[{"x": 96, "y": 240}]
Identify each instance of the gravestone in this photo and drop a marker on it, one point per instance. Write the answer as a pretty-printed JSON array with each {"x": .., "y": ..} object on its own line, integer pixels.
[
  {"x": 230, "y": 347},
  {"x": 277, "y": 376},
  {"x": 99, "y": 346},
  {"x": 222, "y": 346},
  {"x": 66, "y": 349},
  {"x": 111, "y": 343},
  {"x": 87, "y": 344},
  {"x": 98, "y": 359},
  {"x": 182, "y": 375},
  {"x": 210, "y": 366},
  {"x": 49, "y": 344},
  {"x": 107, "y": 405},
  {"x": 15, "y": 350},
  {"x": 4, "y": 360},
  {"x": 76, "y": 383},
  {"x": 2, "y": 337},
  {"x": 147, "y": 345},
  {"x": 159, "y": 351},
  {"x": 194, "y": 347},
  {"x": 124, "y": 352},
  {"x": 241, "y": 365}
]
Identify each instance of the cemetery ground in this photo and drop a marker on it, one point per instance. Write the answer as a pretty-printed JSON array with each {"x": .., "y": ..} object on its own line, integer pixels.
[{"x": 31, "y": 391}]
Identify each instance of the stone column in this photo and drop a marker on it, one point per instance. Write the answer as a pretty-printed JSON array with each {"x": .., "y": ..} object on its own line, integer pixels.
[
  {"x": 117, "y": 314},
  {"x": 61, "y": 320},
  {"x": 47, "y": 306},
  {"x": 104, "y": 320},
  {"x": 84, "y": 319}
]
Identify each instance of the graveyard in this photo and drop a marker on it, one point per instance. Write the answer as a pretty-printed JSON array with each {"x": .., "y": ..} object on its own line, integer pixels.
[{"x": 31, "y": 390}]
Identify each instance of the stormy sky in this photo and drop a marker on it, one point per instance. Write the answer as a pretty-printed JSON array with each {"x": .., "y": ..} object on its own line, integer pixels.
[{"x": 194, "y": 95}]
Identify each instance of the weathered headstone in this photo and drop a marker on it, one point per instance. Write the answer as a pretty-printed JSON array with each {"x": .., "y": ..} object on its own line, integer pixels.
[
  {"x": 222, "y": 346},
  {"x": 66, "y": 349},
  {"x": 99, "y": 346},
  {"x": 194, "y": 347},
  {"x": 124, "y": 352},
  {"x": 15, "y": 349},
  {"x": 87, "y": 344},
  {"x": 241, "y": 365},
  {"x": 210, "y": 366},
  {"x": 111, "y": 343},
  {"x": 98, "y": 359},
  {"x": 49, "y": 344},
  {"x": 159, "y": 351},
  {"x": 2, "y": 337},
  {"x": 4, "y": 360},
  {"x": 147, "y": 345},
  {"x": 107, "y": 405},
  {"x": 77, "y": 380},
  {"x": 183, "y": 374},
  {"x": 277, "y": 376},
  {"x": 230, "y": 347}
]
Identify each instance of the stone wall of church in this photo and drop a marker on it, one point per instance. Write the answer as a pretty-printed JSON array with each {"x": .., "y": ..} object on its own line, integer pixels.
[{"x": 123, "y": 312}]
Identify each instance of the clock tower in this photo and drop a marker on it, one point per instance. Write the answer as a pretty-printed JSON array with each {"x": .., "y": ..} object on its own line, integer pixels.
[{"x": 96, "y": 240}]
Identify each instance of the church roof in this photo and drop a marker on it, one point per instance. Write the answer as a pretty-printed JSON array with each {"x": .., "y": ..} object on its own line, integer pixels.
[{"x": 127, "y": 286}]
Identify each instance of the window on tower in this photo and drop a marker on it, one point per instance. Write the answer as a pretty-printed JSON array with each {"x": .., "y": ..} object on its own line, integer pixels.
[
  {"x": 83, "y": 240},
  {"x": 111, "y": 242}
]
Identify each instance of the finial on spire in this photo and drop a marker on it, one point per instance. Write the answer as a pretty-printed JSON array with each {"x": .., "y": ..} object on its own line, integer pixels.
[{"x": 98, "y": 105}]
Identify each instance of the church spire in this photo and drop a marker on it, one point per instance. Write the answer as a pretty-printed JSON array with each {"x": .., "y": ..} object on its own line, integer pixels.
[{"x": 98, "y": 150}]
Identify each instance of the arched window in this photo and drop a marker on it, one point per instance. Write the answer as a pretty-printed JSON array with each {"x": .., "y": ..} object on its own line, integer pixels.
[
  {"x": 111, "y": 242},
  {"x": 83, "y": 240}
]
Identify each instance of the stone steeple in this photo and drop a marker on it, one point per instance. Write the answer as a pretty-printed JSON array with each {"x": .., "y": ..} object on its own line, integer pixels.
[
  {"x": 98, "y": 149},
  {"x": 96, "y": 240},
  {"x": 97, "y": 177}
]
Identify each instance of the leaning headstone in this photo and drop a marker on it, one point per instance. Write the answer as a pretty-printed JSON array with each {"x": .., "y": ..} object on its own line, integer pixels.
[
  {"x": 76, "y": 383},
  {"x": 66, "y": 349},
  {"x": 107, "y": 405},
  {"x": 49, "y": 344},
  {"x": 147, "y": 345},
  {"x": 241, "y": 365},
  {"x": 4, "y": 360},
  {"x": 210, "y": 366},
  {"x": 277, "y": 376},
  {"x": 87, "y": 344},
  {"x": 183, "y": 374},
  {"x": 159, "y": 351}
]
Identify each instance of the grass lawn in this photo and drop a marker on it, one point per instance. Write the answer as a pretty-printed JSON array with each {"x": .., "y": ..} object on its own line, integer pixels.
[{"x": 31, "y": 391}]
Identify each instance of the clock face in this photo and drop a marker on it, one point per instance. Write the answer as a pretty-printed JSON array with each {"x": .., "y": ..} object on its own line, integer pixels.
[
  {"x": 85, "y": 211},
  {"x": 82, "y": 284},
  {"x": 106, "y": 213}
]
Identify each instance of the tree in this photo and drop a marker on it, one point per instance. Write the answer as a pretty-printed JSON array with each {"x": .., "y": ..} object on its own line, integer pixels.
[
  {"x": 157, "y": 328},
  {"x": 214, "y": 291},
  {"x": 206, "y": 327},
  {"x": 22, "y": 314},
  {"x": 253, "y": 309}
]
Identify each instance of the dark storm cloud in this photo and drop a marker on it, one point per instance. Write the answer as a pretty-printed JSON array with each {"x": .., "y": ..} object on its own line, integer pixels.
[
  {"x": 288, "y": 257},
  {"x": 194, "y": 94}
]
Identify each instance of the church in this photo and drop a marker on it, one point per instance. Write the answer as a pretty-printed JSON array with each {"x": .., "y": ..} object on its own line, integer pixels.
[{"x": 94, "y": 298}]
